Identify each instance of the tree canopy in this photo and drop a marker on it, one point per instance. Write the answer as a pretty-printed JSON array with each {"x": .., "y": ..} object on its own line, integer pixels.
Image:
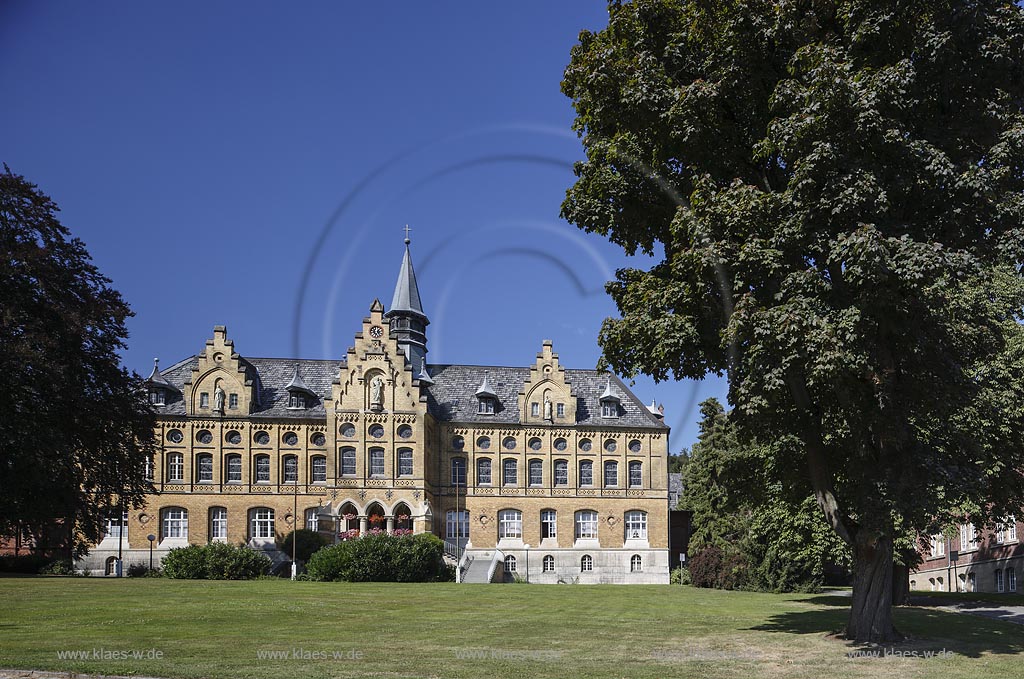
[
  {"x": 76, "y": 428},
  {"x": 835, "y": 192}
]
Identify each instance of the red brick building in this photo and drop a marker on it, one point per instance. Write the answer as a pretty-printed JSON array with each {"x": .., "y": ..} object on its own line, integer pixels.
[{"x": 974, "y": 559}]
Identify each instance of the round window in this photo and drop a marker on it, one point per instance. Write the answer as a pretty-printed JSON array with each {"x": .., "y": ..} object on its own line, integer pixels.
[
  {"x": 405, "y": 431},
  {"x": 204, "y": 437},
  {"x": 290, "y": 439},
  {"x": 483, "y": 443},
  {"x": 348, "y": 430},
  {"x": 458, "y": 443},
  {"x": 262, "y": 438},
  {"x": 233, "y": 437},
  {"x": 535, "y": 444},
  {"x": 318, "y": 439},
  {"x": 585, "y": 445},
  {"x": 174, "y": 436},
  {"x": 635, "y": 446},
  {"x": 610, "y": 445},
  {"x": 509, "y": 442},
  {"x": 377, "y": 431},
  {"x": 560, "y": 444}
]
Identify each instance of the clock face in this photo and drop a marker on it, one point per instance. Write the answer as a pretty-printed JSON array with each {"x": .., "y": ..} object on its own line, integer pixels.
[{"x": 376, "y": 332}]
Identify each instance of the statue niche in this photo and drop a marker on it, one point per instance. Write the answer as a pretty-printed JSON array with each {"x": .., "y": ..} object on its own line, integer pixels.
[{"x": 376, "y": 400}]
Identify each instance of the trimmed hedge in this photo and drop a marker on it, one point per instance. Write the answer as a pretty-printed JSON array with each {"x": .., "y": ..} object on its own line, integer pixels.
[
  {"x": 308, "y": 542},
  {"x": 215, "y": 561},
  {"x": 381, "y": 558},
  {"x": 24, "y": 563}
]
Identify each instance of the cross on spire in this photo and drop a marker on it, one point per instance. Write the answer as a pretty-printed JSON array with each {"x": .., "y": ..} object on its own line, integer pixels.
[{"x": 406, "y": 234}]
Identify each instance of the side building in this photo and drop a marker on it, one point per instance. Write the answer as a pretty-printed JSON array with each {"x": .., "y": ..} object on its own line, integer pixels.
[
  {"x": 537, "y": 472},
  {"x": 973, "y": 560}
]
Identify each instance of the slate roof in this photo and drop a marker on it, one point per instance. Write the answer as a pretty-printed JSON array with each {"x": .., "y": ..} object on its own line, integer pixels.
[
  {"x": 675, "y": 489},
  {"x": 451, "y": 397}
]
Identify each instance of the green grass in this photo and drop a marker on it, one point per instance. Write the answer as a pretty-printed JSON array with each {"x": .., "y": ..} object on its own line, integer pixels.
[{"x": 217, "y": 629}]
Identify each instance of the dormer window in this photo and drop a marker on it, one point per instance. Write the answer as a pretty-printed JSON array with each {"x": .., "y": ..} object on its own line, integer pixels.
[
  {"x": 296, "y": 400},
  {"x": 609, "y": 401},
  {"x": 157, "y": 397},
  {"x": 486, "y": 406},
  {"x": 299, "y": 394},
  {"x": 159, "y": 387},
  {"x": 486, "y": 398}
]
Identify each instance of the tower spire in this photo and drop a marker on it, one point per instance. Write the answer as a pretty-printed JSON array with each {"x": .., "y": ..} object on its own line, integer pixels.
[{"x": 407, "y": 320}]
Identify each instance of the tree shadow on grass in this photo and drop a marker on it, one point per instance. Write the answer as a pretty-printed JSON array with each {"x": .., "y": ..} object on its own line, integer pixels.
[{"x": 926, "y": 630}]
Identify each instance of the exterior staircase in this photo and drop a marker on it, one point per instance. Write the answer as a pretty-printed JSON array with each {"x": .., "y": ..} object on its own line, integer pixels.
[{"x": 482, "y": 566}]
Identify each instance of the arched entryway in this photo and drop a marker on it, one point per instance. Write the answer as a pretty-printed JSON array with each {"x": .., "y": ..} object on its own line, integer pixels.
[
  {"x": 348, "y": 521},
  {"x": 403, "y": 519},
  {"x": 376, "y": 518}
]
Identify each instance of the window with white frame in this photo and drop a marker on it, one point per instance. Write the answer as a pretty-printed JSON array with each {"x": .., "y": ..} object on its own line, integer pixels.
[
  {"x": 560, "y": 409},
  {"x": 348, "y": 461},
  {"x": 561, "y": 473},
  {"x": 175, "y": 523},
  {"x": 509, "y": 473},
  {"x": 549, "y": 564},
  {"x": 535, "y": 409},
  {"x": 1000, "y": 583},
  {"x": 968, "y": 537},
  {"x": 405, "y": 462},
  {"x": 1011, "y": 529},
  {"x": 636, "y": 563},
  {"x": 156, "y": 397},
  {"x": 586, "y": 563},
  {"x": 234, "y": 469},
  {"x": 483, "y": 471},
  {"x": 938, "y": 547},
  {"x": 233, "y": 401},
  {"x": 176, "y": 467},
  {"x": 218, "y": 523},
  {"x": 586, "y": 524},
  {"x": 376, "y": 462},
  {"x": 536, "y": 473},
  {"x": 636, "y": 525},
  {"x": 636, "y": 476},
  {"x": 262, "y": 469},
  {"x": 548, "y": 524},
  {"x": 1011, "y": 580},
  {"x": 204, "y": 400},
  {"x": 609, "y": 409},
  {"x": 457, "y": 524},
  {"x": 117, "y": 527},
  {"x": 458, "y": 471},
  {"x": 319, "y": 473},
  {"x": 296, "y": 400},
  {"x": 312, "y": 519},
  {"x": 485, "y": 406},
  {"x": 611, "y": 474},
  {"x": 291, "y": 469},
  {"x": 586, "y": 473},
  {"x": 262, "y": 523},
  {"x": 510, "y": 564},
  {"x": 148, "y": 468},
  {"x": 510, "y": 523}
]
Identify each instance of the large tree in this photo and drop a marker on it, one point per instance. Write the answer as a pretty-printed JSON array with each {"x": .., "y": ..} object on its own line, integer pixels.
[
  {"x": 835, "y": 192},
  {"x": 75, "y": 427}
]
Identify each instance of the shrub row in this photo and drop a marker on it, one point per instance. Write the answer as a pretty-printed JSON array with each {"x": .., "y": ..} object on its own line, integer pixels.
[
  {"x": 215, "y": 561},
  {"x": 381, "y": 558}
]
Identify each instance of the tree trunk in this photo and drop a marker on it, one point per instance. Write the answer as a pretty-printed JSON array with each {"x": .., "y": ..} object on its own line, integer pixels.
[
  {"x": 900, "y": 585},
  {"x": 871, "y": 613}
]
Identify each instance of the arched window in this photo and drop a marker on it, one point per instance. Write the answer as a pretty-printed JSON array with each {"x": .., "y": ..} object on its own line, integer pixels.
[
  {"x": 458, "y": 471},
  {"x": 405, "y": 462},
  {"x": 312, "y": 519},
  {"x": 348, "y": 461},
  {"x": 1000, "y": 580},
  {"x": 291, "y": 469},
  {"x": 218, "y": 523},
  {"x": 536, "y": 473},
  {"x": 175, "y": 523},
  {"x": 234, "y": 469},
  {"x": 110, "y": 566},
  {"x": 483, "y": 471},
  {"x": 611, "y": 473},
  {"x": 636, "y": 476},
  {"x": 636, "y": 564},
  {"x": 349, "y": 517},
  {"x": 376, "y": 462},
  {"x": 586, "y": 473},
  {"x": 175, "y": 467},
  {"x": 548, "y": 524},
  {"x": 636, "y": 525},
  {"x": 510, "y": 564},
  {"x": 457, "y": 524},
  {"x": 319, "y": 469},
  {"x": 261, "y": 523},
  {"x": 586, "y": 524},
  {"x": 510, "y": 523},
  {"x": 509, "y": 473},
  {"x": 549, "y": 564},
  {"x": 1011, "y": 580},
  {"x": 262, "y": 469},
  {"x": 403, "y": 517},
  {"x": 375, "y": 517},
  {"x": 586, "y": 563},
  {"x": 561, "y": 473},
  {"x": 204, "y": 468}
]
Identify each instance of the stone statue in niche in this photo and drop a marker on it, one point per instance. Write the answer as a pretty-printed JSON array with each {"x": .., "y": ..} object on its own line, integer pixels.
[
  {"x": 547, "y": 407},
  {"x": 377, "y": 392},
  {"x": 218, "y": 399}
]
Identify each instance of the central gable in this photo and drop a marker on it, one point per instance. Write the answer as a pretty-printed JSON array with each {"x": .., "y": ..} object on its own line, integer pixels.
[{"x": 547, "y": 397}]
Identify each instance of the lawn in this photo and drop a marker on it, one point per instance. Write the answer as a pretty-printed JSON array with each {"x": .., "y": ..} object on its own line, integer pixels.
[{"x": 232, "y": 629}]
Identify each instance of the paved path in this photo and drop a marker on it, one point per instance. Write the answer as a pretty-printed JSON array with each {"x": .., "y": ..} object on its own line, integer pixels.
[{"x": 983, "y": 608}]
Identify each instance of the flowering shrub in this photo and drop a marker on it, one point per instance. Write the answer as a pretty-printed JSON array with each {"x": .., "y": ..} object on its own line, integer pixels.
[{"x": 349, "y": 534}]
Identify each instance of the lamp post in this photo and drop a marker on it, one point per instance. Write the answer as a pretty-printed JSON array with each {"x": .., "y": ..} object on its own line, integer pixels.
[
  {"x": 151, "y": 539},
  {"x": 295, "y": 520}
]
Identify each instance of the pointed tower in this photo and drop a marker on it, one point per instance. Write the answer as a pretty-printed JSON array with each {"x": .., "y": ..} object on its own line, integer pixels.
[{"x": 408, "y": 323}]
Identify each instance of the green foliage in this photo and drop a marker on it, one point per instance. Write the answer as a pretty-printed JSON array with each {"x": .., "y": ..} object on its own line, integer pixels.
[
  {"x": 308, "y": 542},
  {"x": 680, "y": 576},
  {"x": 82, "y": 423},
  {"x": 215, "y": 561},
  {"x": 59, "y": 567},
  {"x": 720, "y": 569},
  {"x": 381, "y": 558},
  {"x": 141, "y": 570},
  {"x": 24, "y": 563}
]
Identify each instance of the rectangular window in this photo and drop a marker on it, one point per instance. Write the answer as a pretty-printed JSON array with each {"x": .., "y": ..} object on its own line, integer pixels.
[
  {"x": 296, "y": 401},
  {"x": 636, "y": 477},
  {"x": 510, "y": 523},
  {"x": 1000, "y": 584},
  {"x": 509, "y": 473},
  {"x": 148, "y": 470},
  {"x": 586, "y": 473},
  {"x": 968, "y": 537},
  {"x": 561, "y": 473},
  {"x": 116, "y": 528},
  {"x": 312, "y": 519},
  {"x": 611, "y": 474},
  {"x": 291, "y": 469},
  {"x": 586, "y": 525},
  {"x": 535, "y": 409},
  {"x": 548, "y": 524},
  {"x": 486, "y": 406},
  {"x": 636, "y": 525},
  {"x": 405, "y": 462},
  {"x": 175, "y": 523},
  {"x": 319, "y": 469},
  {"x": 218, "y": 523},
  {"x": 609, "y": 409},
  {"x": 536, "y": 473},
  {"x": 348, "y": 462},
  {"x": 483, "y": 472},
  {"x": 1011, "y": 529},
  {"x": 263, "y": 523},
  {"x": 234, "y": 468},
  {"x": 262, "y": 469},
  {"x": 233, "y": 401},
  {"x": 156, "y": 397},
  {"x": 938, "y": 545},
  {"x": 458, "y": 471},
  {"x": 376, "y": 462},
  {"x": 204, "y": 400},
  {"x": 175, "y": 467},
  {"x": 457, "y": 524},
  {"x": 560, "y": 409},
  {"x": 1011, "y": 580}
]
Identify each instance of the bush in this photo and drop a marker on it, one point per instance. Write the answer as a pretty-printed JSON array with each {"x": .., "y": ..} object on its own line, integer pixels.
[
  {"x": 680, "y": 576},
  {"x": 307, "y": 542},
  {"x": 215, "y": 561},
  {"x": 381, "y": 558},
  {"x": 24, "y": 563},
  {"x": 59, "y": 567},
  {"x": 141, "y": 570},
  {"x": 711, "y": 567}
]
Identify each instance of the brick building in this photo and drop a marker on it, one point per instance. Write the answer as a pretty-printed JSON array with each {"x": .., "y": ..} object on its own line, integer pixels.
[
  {"x": 539, "y": 471},
  {"x": 975, "y": 559}
]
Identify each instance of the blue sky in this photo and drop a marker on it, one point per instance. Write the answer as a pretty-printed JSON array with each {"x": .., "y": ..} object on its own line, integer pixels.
[{"x": 291, "y": 144}]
